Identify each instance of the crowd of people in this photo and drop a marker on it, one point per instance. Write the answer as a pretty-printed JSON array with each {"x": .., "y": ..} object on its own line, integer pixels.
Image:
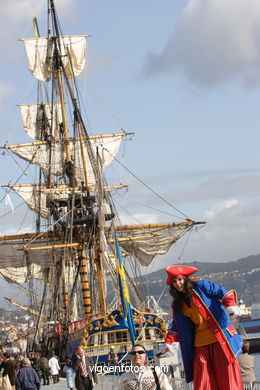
[
  {"x": 213, "y": 353},
  {"x": 27, "y": 371}
]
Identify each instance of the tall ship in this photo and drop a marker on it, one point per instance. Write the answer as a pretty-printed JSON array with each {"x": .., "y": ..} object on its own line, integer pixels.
[{"x": 75, "y": 267}]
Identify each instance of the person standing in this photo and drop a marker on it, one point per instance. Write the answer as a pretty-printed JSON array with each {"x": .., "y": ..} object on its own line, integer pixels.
[
  {"x": 44, "y": 367},
  {"x": 247, "y": 364},
  {"x": 113, "y": 359},
  {"x": 54, "y": 368},
  {"x": 27, "y": 378},
  {"x": 83, "y": 365},
  {"x": 9, "y": 368},
  {"x": 141, "y": 376},
  {"x": 210, "y": 344},
  {"x": 69, "y": 372},
  {"x": 35, "y": 364}
]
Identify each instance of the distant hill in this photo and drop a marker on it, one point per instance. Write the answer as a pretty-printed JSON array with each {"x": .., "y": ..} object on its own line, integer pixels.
[{"x": 242, "y": 275}]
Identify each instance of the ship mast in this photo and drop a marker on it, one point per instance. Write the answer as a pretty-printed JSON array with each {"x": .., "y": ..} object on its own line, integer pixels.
[{"x": 79, "y": 126}]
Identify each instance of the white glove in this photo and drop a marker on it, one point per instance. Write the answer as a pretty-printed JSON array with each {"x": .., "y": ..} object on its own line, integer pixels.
[
  {"x": 233, "y": 310},
  {"x": 171, "y": 348}
]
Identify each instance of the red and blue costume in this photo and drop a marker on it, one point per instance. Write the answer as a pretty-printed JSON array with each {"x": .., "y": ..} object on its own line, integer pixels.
[{"x": 209, "y": 300}]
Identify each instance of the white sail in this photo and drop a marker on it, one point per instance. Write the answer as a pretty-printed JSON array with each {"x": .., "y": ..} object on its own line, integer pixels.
[
  {"x": 34, "y": 198},
  {"x": 40, "y": 154},
  {"x": 18, "y": 267},
  {"x": 38, "y": 119},
  {"x": 40, "y": 51},
  {"x": 152, "y": 242}
]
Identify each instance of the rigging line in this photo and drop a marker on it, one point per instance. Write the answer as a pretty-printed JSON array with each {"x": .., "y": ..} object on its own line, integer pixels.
[
  {"x": 152, "y": 208},
  {"x": 23, "y": 172},
  {"x": 103, "y": 106},
  {"x": 25, "y": 215},
  {"x": 40, "y": 234},
  {"x": 127, "y": 212},
  {"x": 158, "y": 300},
  {"x": 149, "y": 188},
  {"x": 9, "y": 212},
  {"x": 186, "y": 242}
]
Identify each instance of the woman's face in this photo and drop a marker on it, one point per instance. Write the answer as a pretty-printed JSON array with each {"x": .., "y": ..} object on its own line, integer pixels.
[
  {"x": 178, "y": 283},
  {"x": 138, "y": 356}
]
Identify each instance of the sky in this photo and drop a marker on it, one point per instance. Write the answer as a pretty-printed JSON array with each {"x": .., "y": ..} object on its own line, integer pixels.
[{"x": 185, "y": 77}]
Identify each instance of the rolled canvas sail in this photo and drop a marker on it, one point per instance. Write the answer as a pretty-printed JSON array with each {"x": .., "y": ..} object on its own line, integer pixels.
[
  {"x": 40, "y": 51},
  {"x": 17, "y": 267},
  {"x": 39, "y": 154},
  {"x": 38, "y": 119},
  {"x": 152, "y": 242}
]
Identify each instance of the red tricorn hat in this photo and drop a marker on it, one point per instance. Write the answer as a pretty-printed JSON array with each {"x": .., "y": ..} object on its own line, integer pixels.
[{"x": 179, "y": 270}]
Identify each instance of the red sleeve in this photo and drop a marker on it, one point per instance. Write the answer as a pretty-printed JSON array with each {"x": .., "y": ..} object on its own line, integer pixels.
[
  {"x": 171, "y": 337},
  {"x": 230, "y": 299}
]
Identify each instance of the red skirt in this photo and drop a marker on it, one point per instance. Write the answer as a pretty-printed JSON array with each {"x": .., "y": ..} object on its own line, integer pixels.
[{"x": 213, "y": 371}]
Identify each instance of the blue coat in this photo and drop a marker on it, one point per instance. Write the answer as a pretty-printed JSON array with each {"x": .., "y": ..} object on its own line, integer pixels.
[
  {"x": 27, "y": 378},
  {"x": 209, "y": 299}
]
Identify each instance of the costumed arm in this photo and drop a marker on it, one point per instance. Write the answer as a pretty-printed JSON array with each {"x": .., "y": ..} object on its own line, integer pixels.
[
  {"x": 172, "y": 335},
  {"x": 230, "y": 302},
  {"x": 170, "y": 344},
  {"x": 227, "y": 298}
]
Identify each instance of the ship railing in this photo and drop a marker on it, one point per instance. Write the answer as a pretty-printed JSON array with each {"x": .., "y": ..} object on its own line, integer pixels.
[
  {"x": 247, "y": 386},
  {"x": 180, "y": 384},
  {"x": 251, "y": 386}
]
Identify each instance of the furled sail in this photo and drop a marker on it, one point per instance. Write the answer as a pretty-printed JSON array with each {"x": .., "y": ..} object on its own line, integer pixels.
[
  {"x": 18, "y": 267},
  {"x": 40, "y": 52},
  {"x": 38, "y": 153},
  {"x": 146, "y": 244},
  {"x": 38, "y": 120},
  {"x": 34, "y": 197}
]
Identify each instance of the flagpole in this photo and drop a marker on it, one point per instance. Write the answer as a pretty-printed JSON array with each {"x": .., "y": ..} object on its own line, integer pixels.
[{"x": 124, "y": 294}]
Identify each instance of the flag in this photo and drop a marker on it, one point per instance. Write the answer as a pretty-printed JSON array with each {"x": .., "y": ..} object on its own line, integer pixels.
[
  {"x": 8, "y": 202},
  {"x": 124, "y": 294}
]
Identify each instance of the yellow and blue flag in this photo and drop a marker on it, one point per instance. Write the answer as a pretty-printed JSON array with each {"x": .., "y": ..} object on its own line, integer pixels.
[{"x": 124, "y": 294}]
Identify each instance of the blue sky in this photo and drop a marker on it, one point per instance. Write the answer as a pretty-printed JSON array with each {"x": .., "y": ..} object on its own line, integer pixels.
[{"x": 185, "y": 77}]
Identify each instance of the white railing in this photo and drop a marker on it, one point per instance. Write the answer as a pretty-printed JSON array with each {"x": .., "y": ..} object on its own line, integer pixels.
[
  {"x": 180, "y": 384},
  {"x": 251, "y": 386}
]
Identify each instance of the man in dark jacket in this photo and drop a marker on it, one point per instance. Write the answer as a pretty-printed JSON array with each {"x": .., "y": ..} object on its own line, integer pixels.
[
  {"x": 83, "y": 365},
  {"x": 9, "y": 368},
  {"x": 27, "y": 378},
  {"x": 44, "y": 366}
]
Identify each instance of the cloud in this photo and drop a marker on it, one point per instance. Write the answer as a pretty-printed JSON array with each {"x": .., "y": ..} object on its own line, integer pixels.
[
  {"x": 198, "y": 186},
  {"x": 219, "y": 208},
  {"x": 16, "y": 19},
  {"x": 214, "y": 42},
  {"x": 138, "y": 218},
  {"x": 231, "y": 233}
]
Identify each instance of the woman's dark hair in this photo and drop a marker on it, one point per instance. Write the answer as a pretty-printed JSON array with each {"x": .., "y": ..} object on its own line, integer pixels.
[{"x": 186, "y": 296}]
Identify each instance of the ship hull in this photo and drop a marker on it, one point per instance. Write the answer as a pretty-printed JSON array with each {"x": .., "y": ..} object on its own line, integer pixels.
[{"x": 251, "y": 326}]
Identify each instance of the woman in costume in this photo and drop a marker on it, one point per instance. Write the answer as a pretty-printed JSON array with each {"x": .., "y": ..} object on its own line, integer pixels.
[{"x": 210, "y": 344}]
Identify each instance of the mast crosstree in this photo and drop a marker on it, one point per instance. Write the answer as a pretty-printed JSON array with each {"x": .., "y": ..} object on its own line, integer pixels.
[{"x": 74, "y": 243}]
